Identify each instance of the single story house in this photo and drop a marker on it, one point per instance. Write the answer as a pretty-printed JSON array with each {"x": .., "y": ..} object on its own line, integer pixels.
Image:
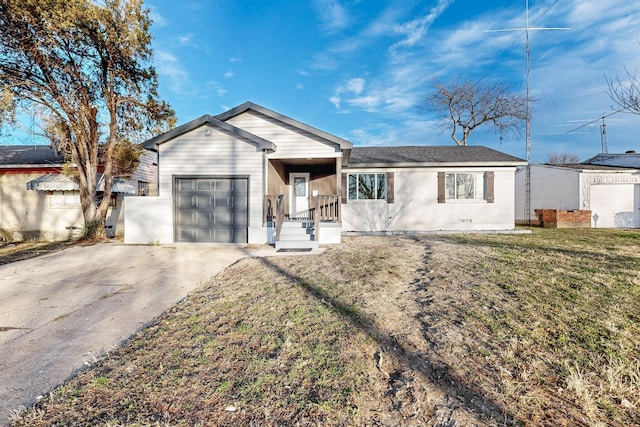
[
  {"x": 37, "y": 201},
  {"x": 611, "y": 193},
  {"x": 252, "y": 175}
]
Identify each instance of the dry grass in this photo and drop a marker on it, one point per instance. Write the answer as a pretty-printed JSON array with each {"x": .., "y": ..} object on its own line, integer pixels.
[
  {"x": 17, "y": 251},
  {"x": 540, "y": 329}
]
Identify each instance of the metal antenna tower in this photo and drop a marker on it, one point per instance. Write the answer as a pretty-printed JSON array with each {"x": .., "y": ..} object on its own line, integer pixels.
[{"x": 526, "y": 29}]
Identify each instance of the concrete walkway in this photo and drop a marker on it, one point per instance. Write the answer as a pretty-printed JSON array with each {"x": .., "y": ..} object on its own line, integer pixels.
[{"x": 60, "y": 311}]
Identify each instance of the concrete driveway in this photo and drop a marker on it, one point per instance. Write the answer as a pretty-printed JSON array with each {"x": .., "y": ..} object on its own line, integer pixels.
[{"x": 60, "y": 311}]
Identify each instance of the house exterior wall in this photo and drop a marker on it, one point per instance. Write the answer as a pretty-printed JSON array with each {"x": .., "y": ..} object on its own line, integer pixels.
[
  {"x": 613, "y": 198},
  {"x": 28, "y": 214},
  {"x": 291, "y": 143},
  {"x": 416, "y": 207},
  {"x": 148, "y": 220},
  {"x": 147, "y": 171},
  {"x": 203, "y": 152},
  {"x": 551, "y": 188}
]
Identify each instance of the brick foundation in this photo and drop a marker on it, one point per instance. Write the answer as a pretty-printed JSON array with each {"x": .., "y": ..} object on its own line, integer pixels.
[{"x": 559, "y": 218}]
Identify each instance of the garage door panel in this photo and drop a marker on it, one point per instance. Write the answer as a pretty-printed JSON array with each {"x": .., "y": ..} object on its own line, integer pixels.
[
  {"x": 240, "y": 220},
  {"x": 240, "y": 202},
  {"x": 222, "y": 201},
  {"x": 204, "y": 185},
  {"x": 223, "y": 185},
  {"x": 212, "y": 210}
]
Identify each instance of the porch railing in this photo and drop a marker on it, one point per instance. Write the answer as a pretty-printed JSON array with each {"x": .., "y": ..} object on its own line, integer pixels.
[
  {"x": 274, "y": 211},
  {"x": 327, "y": 208},
  {"x": 323, "y": 208}
]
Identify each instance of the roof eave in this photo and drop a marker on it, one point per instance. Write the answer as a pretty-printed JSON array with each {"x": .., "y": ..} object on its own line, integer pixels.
[{"x": 153, "y": 143}]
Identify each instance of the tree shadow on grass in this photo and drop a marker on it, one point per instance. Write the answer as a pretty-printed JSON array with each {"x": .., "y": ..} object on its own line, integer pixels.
[{"x": 424, "y": 363}]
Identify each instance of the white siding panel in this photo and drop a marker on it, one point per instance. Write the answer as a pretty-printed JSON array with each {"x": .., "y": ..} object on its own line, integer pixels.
[{"x": 290, "y": 141}]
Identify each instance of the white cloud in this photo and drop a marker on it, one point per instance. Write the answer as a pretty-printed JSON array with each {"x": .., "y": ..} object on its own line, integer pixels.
[
  {"x": 235, "y": 60},
  {"x": 299, "y": 86},
  {"x": 156, "y": 17},
  {"x": 414, "y": 30},
  {"x": 185, "y": 40},
  {"x": 171, "y": 68},
  {"x": 216, "y": 87},
  {"x": 228, "y": 74},
  {"x": 332, "y": 15},
  {"x": 353, "y": 86}
]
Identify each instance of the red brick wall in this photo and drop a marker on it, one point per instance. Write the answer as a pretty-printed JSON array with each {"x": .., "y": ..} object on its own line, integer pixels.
[{"x": 559, "y": 218}]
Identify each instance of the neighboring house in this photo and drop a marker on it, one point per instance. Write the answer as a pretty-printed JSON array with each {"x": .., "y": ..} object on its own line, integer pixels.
[
  {"x": 251, "y": 175},
  {"x": 37, "y": 201},
  {"x": 611, "y": 193}
]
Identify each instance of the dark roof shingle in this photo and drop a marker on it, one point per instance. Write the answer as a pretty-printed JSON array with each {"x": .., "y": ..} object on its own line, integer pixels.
[
  {"x": 423, "y": 154},
  {"x": 29, "y": 155}
]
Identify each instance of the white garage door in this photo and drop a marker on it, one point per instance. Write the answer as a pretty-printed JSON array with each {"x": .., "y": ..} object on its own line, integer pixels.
[
  {"x": 212, "y": 210},
  {"x": 615, "y": 205}
]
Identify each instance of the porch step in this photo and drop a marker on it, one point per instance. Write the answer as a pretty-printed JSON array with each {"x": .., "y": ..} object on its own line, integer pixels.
[{"x": 296, "y": 235}]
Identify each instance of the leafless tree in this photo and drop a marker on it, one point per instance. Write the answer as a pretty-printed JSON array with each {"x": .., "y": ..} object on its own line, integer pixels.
[
  {"x": 465, "y": 105},
  {"x": 625, "y": 91},
  {"x": 563, "y": 159}
]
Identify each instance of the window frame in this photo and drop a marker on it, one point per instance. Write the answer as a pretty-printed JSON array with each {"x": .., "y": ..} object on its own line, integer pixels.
[
  {"x": 65, "y": 198},
  {"x": 479, "y": 181},
  {"x": 379, "y": 193}
]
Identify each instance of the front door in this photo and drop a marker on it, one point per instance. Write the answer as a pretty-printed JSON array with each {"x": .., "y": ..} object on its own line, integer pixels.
[{"x": 299, "y": 199}]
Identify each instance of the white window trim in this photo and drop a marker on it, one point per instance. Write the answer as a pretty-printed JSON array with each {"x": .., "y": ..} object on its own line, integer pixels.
[{"x": 480, "y": 177}]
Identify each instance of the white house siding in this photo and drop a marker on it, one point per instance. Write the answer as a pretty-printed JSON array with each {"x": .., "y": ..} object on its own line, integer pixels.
[
  {"x": 147, "y": 171},
  {"x": 416, "y": 206},
  {"x": 291, "y": 143},
  {"x": 551, "y": 187},
  {"x": 194, "y": 154}
]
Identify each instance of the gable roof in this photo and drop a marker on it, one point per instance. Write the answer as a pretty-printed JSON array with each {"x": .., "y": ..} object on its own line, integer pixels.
[
  {"x": 242, "y": 108},
  {"x": 423, "y": 155},
  {"x": 23, "y": 156},
  {"x": 152, "y": 144}
]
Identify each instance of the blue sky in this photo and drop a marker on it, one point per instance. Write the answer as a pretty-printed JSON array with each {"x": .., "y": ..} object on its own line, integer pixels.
[{"x": 360, "y": 68}]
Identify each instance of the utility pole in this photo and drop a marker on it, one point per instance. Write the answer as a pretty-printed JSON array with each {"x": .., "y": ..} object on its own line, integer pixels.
[{"x": 526, "y": 29}]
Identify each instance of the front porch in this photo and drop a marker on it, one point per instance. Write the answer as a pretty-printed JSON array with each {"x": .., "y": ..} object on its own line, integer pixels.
[{"x": 302, "y": 205}]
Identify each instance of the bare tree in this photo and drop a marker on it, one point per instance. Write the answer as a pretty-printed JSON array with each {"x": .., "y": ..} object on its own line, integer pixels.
[
  {"x": 465, "y": 105},
  {"x": 84, "y": 68},
  {"x": 625, "y": 91},
  {"x": 563, "y": 159}
]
